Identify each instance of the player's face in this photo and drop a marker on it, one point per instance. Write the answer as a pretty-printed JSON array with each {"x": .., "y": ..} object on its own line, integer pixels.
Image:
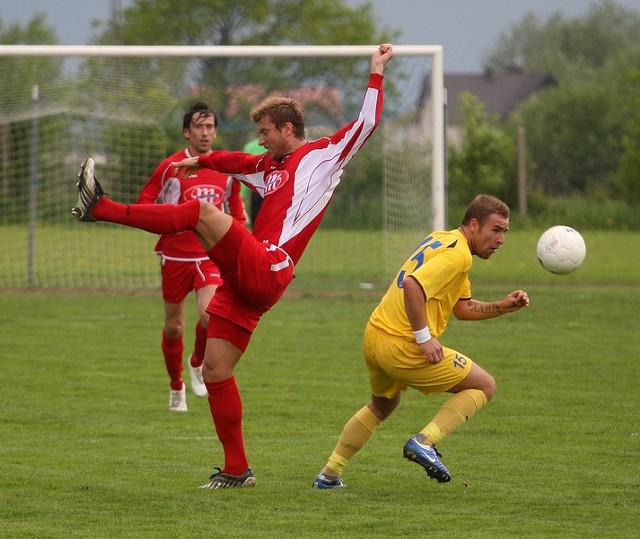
[
  {"x": 200, "y": 134},
  {"x": 275, "y": 140},
  {"x": 488, "y": 237}
]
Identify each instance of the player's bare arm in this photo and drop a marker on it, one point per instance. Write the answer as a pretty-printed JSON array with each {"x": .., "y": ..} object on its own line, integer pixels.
[
  {"x": 186, "y": 166},
  {"x": 472, "y": 309}
]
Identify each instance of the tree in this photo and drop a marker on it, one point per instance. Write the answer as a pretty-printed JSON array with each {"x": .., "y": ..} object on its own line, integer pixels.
[
  {"x": 626, "y": 179},
  {"x": 35, "y": 32},
  {"x": 253, "y": 22},
  {"x": 21, "y": 73},
  {"x": 485, "y": 161},
  {"x": 568, "y": 49},
  {"x": 19, "y": 76},
  {"x": 574, "y": 131},
  {"x": 573, "y": 137}
]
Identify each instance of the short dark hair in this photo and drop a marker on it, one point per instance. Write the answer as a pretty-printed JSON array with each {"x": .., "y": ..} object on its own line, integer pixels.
[
  {"x": 202, "y": 109},
  {"x": 281, "y": 110},
  {"x": 482, "y": 206}
]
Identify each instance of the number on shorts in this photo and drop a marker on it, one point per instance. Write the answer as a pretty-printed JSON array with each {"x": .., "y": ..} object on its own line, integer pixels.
[{"x": 460, "y": 361}]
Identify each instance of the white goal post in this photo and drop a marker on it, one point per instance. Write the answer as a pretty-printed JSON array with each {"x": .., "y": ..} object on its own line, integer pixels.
[{"x": 432, "y": 123}]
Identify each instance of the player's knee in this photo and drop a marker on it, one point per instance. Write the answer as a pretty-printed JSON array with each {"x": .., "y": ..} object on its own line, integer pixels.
[
  {"x": 215, "y": 372},
  {"x": 380, "y": 413},
  {"x": 212, "y": 225},
  {"x": 489, "y": 386},
  {"x": 207, "y": 210},
  {"x": 382, "y": 407},
  {"x": 174, "y": 330},
  {"x": 204, "y": 319}
]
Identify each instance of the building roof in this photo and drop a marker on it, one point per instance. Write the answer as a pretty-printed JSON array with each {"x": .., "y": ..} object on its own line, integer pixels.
[{"x": 500, "y": 93}]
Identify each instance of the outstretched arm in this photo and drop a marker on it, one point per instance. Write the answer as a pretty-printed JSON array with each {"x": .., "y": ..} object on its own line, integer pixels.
[{"x": 472, "y": 309}]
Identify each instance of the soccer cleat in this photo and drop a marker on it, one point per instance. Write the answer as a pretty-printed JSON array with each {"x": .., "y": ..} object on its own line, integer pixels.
[
  {"x": 197, "y": 381},
  {"x": 428, "y": 457},
  {"x": 89, "y": 192},
  {"x": 225, "y": 480},
  {"x": 178, "y": 400},
  {"x": 325, "y": 482}
]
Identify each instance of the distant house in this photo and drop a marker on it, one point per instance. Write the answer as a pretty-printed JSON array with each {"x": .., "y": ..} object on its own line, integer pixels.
[{"x": 500, "y": 94}]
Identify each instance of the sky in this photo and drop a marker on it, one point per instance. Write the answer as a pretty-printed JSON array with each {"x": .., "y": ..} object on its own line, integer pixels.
[{"x": 466, "y": 29}]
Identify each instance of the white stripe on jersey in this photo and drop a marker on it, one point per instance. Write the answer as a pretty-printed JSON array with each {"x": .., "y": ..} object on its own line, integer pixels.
[{"x": 319, "y": 172}]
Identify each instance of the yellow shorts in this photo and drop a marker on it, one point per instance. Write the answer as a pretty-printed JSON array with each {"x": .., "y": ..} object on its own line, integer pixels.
[{"x": 395, "y": 364}]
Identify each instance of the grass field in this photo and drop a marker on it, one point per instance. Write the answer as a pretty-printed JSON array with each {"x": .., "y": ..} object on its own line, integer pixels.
[
  {"x": 102, "y": 256},
  {"x": 89, "y": 450}
]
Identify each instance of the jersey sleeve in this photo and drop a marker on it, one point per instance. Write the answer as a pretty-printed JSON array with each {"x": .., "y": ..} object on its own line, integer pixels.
[
  {"x": 466, "y": 290},
  {"x": 151, "y": 190},
  {"x": 232, "y": 162},
  {"x": 353, "y": 136},
  {"x": 246, "y": 167}
]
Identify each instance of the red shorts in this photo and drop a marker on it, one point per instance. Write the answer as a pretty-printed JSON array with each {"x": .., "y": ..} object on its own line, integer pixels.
[
  {"x": 179, "y": 278},
  {"x": 255, "y": 275}
]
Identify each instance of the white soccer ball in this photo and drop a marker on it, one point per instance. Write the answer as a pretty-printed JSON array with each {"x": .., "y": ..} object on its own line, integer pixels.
[{"x": 561, "y": 249}]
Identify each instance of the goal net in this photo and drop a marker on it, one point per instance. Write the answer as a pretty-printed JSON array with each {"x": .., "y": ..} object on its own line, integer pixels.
[{"x": 123, "y": 106}]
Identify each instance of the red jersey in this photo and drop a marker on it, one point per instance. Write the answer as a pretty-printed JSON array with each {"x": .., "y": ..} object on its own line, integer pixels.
[
  {"x": 216, "y": 188},
  {"x": 297, "y": 189}
]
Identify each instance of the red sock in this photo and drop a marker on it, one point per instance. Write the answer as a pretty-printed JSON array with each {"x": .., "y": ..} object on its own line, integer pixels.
[
  {"x": 156, "y": 218},
  {"x": 200, "y": 345},
  {"x": 226, "y": 410},
  {"x": 172, "y": 349}
]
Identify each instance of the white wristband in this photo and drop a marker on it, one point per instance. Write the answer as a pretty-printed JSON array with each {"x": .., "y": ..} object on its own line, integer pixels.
[{"x": 422, "y": 335}]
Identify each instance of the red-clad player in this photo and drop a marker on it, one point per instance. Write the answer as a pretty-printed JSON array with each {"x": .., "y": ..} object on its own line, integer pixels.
[
  {"x": 185, "y": 266},
  {"x": 296, "y": 179}
]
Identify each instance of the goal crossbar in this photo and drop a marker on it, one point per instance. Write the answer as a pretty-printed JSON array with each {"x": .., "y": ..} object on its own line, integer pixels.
[{"x": 211, "y": 50}]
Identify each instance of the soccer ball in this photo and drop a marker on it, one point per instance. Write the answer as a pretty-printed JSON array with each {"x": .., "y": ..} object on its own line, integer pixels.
[{"x": 561, "y": 249}]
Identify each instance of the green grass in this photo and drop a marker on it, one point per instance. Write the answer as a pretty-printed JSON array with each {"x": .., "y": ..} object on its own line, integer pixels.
[
  {"x": 89, "y": 450},
  {"x": 101, "y": 256}
]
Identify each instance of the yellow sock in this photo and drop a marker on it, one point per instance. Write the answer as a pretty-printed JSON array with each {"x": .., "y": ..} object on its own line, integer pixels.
[
  {"x": 355, "y": 434},
  {"x": 454, "y": 412}
]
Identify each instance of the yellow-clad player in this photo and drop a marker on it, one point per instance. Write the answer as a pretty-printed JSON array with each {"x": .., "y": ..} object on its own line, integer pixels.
[{"x": 401, "y": 344}]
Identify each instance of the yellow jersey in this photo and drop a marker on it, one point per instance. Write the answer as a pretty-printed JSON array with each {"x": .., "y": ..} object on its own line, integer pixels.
[{"x": 441, "y": 265}]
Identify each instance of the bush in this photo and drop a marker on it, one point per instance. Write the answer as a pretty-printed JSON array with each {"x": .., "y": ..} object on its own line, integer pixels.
[{"x": 579, "y": 212}]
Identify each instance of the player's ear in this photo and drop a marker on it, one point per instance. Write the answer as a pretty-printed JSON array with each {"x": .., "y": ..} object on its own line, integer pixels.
[{"x": 288, "y": 128}]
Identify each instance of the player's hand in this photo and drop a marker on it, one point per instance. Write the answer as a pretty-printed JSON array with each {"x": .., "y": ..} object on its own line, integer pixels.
[
  {"x": 433, "y": 350},
  {"x": 514, "y": 301},
  {"x": 186, "y": 166},
  {"x": 380, "y": 57}
]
